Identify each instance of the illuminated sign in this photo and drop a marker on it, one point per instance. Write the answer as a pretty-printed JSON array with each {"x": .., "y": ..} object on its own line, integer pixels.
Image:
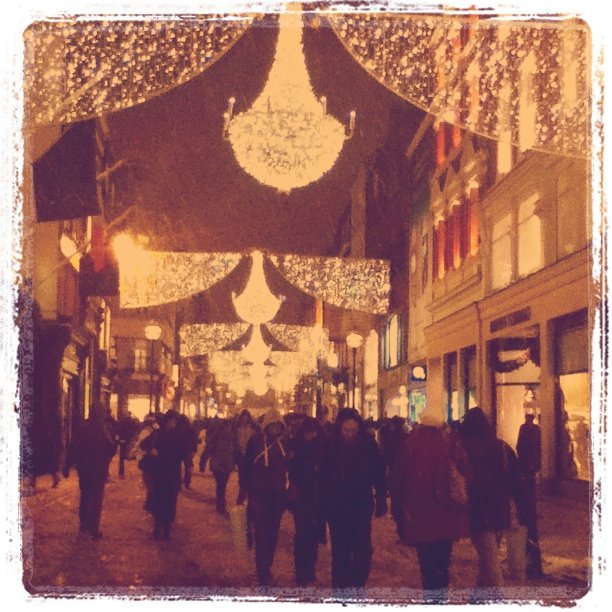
[{"x": 418, "y": 373}]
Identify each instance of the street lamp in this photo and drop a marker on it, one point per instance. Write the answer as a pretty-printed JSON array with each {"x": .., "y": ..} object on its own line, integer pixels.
[
  {"x": 152, "y": 333},
  {"x": 354, "y": 341}
]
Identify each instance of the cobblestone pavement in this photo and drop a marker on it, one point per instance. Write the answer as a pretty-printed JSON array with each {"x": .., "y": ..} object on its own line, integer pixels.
[{"x": 204, "y": 558}]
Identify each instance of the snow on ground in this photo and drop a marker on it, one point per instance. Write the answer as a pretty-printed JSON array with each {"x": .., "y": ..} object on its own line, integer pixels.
[{"x": 204, "y": 559}]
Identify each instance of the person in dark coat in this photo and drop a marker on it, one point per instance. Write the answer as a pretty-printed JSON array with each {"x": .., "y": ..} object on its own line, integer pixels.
[
  {"x": 425, "y": 518},
  {"x": 496, "y": 497},
  {"x": 167, "y": 445},
  {"x": 529, "y": 452},
  {"x": 91, "y": 451},
  {"x": 264, "y": 481},
  {"x": 351, "y": 470},
  {"x": 244, "y": 431},
  {"x": 303, "y": 497},
  {"x": 190, "y": 441},
  {"x": 127, "y": 430},
  {"x": 221, "y": 453}
]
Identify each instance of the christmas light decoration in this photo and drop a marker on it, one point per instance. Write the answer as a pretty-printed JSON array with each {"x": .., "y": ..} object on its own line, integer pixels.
[
  {"x": 356, "y": 284},
  {"x": 286, "y": 139},
  {"x": 75, "y": 70},
  {"x": 256, "y": 304}
]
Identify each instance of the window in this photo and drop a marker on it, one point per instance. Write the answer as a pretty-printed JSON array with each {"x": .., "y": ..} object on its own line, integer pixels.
[
  {"x": 141, "y": 356},
  {"x": 392, "y": 345},
  {"x": 501, "y": 253},
  {"x": 572, "y": 225},
  {"x": 456, "y": 236},
  {"x": 517, "y": 245},
  {"x": 530, "y": 256},
  {"x": 452, "y": 388},
  {"x": 424, "y": 262}
]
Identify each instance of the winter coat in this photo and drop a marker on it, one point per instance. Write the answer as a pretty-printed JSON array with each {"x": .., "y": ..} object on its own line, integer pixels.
[
  {"x": 529, "y": 448},
  {"x": 167, "y": 445},
  {"x": 496, "y": 481},
  {"x": 220, "y": 447},
  {"x": 243, "y": 434},
  {"x": 91, "y": 451},
  {"x": 305, "y": 468},
  {"x": 422, "y": 516},
  {"x": 265, "y": 467},
  {"x": 350, "y": 472}
]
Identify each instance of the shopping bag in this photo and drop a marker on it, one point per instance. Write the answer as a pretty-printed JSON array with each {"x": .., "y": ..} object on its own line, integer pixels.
[{"x": 238, "y": 527}]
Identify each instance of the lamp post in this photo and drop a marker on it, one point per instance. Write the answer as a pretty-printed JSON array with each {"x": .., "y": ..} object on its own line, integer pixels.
[
  {"x": 152, "y": 333},
  {"x": 354, "y": 341}
]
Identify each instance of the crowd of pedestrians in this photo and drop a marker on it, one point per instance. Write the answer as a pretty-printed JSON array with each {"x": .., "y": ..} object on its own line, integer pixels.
[{"x": 444, "y": 483}]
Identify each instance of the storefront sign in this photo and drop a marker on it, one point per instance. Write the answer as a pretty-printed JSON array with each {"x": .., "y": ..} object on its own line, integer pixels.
[{"x": 514, "y": 318}]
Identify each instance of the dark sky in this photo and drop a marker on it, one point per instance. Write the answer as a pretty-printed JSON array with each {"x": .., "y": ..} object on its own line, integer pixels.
[{"x": 196, "y": 196}]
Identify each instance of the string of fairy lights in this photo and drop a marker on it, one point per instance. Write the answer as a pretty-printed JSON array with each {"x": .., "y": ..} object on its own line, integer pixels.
[
  {"x": 148, "y": 278},
  {"x": 460, "y": 68}
]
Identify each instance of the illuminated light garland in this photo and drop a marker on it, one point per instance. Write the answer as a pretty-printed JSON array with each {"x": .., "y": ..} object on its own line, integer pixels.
[
  {"x": 256, "y": 304},
  {"x": 150, "y": 278},
  {"x": 416, "y": 57},
  {"x": 205, "y": 338},
  {"x": 75, "y": 70},
  {"x": 301, "y": 338},
  {"x": 286, "y": 139},
  {"x": 355, "y": 284}
]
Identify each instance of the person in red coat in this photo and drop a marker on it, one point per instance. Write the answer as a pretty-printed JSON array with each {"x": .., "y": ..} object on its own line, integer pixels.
[{"x": 425, "y": 519}]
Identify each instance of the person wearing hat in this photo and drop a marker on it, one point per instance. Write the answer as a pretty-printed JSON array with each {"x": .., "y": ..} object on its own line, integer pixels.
[
  {"x": 264, "y": 483},
  {"x": 426, "y": 516},
  {"x": 352, "y": 478}
]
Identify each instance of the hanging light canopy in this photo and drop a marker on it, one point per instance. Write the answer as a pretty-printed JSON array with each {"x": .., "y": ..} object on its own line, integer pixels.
[
  {"x": 286, "y": 139},
  {"x": 256, "y": 304}
]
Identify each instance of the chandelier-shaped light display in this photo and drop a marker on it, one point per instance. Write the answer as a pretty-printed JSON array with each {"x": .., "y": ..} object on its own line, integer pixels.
[
  {"x": 256, "y": 304},
  {"x": 286, "y": 139},
  {"x": 256, "y": 351}
]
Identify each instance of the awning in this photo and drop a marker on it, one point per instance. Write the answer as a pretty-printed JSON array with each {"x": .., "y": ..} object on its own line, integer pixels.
[{"x": 65, "y": 176}]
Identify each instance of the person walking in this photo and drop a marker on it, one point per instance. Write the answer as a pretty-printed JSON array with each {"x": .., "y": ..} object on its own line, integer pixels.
[
  {"x": 529, "y": 452},
  {"x": 221, "y": 456},
  {"x": 190, "y": 441},
  {"x": 352, "y": 477},
  {"x": 422, "y": 504},
  {"x": 496, "y": 501},
  {"x": 166, "y": 445},
  {"x": 303, "y": 498},
  {"x": 91, "y": 451},
  {"x": 264, "y": 483},
  {"x": 127, "y": 430}
]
